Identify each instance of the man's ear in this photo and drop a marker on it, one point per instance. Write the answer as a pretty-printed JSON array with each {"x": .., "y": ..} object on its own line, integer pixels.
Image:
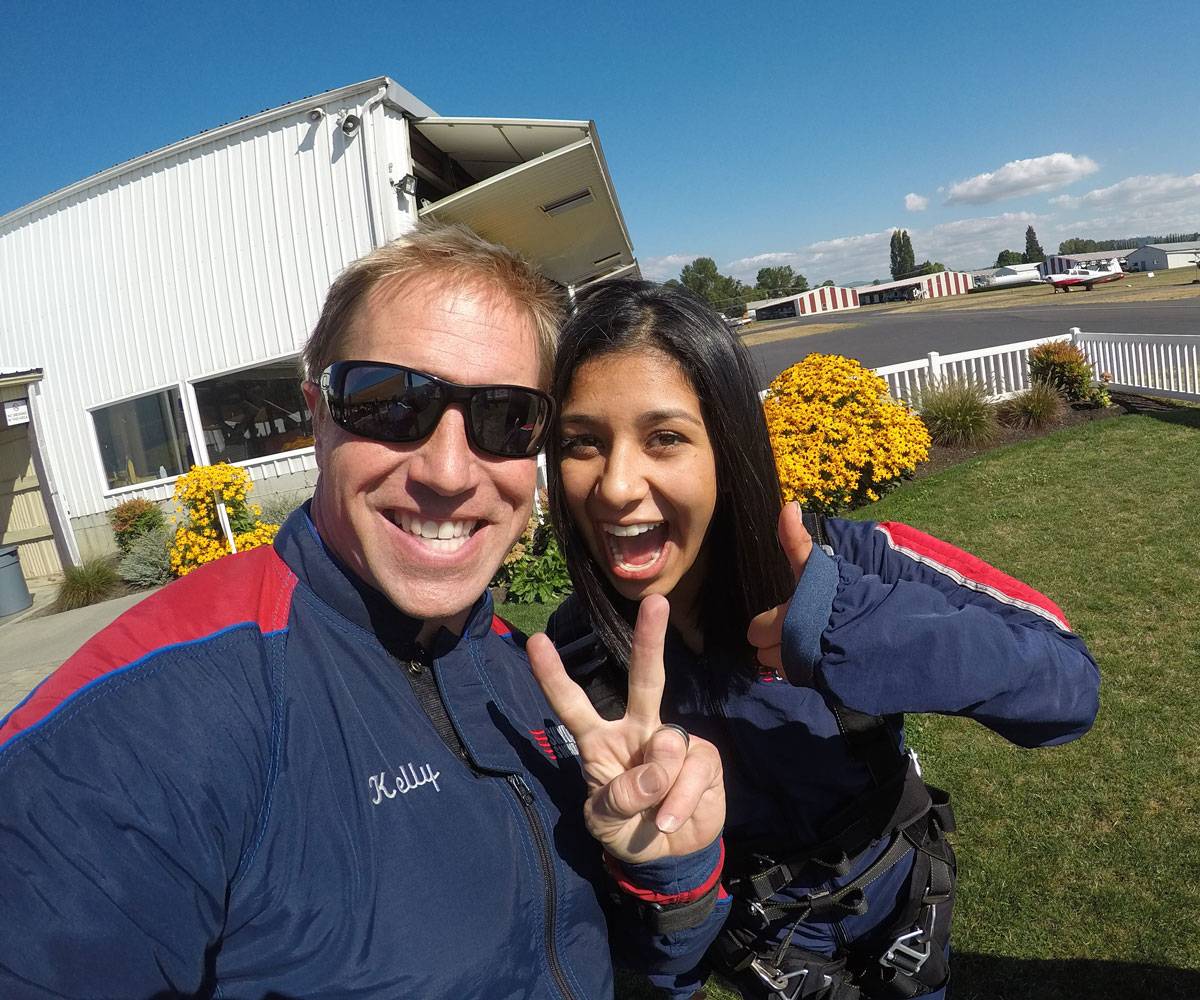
[{"x": 320, "y": 414}]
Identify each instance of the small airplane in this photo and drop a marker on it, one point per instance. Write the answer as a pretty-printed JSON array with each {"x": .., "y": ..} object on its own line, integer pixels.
[{"x": 1086, "y": 277}]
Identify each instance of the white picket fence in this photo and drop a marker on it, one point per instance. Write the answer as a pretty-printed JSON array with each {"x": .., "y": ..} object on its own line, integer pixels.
[
  {"x": 1158, "y": 364},
  {"x": 1003, "y": 370}
]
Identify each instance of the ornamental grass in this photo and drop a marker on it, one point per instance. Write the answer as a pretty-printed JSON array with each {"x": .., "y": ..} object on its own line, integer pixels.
[
  {"x": 1041, "y": 405},
  {"x": 199, "y": 538},
  {"x": 958, "y": 413},
  {"x": 93, "y": 581},
  {"x": 840, "y": 440}
]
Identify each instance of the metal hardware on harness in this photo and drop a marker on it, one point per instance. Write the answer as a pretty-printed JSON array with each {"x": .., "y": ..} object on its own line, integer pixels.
[
  {"x": 777, "y": 979},
  {"x": 905, "y": 959}
]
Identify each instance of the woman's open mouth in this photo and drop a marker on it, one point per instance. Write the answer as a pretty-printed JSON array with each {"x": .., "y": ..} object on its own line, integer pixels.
[{"x": 635, "y": 550}]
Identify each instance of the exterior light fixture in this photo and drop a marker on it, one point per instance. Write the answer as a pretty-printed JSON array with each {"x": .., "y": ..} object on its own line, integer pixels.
[
  {"x": 406, "y": 185},
  {"x": 575, "y": 200}
]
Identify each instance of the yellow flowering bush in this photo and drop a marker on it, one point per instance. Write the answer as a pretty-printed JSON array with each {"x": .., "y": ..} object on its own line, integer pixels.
[
  {"x": 198, "y": 537},
  {"x": 839, "y": 439}
]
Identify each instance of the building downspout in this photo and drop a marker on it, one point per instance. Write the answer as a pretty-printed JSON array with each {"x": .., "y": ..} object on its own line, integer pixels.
[
  {"x": 56, "y": 512},
  {"x": 370, "y": 165}
]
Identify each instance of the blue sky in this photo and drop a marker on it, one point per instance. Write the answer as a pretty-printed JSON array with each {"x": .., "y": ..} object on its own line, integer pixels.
[{"x": 753, "y": 133}]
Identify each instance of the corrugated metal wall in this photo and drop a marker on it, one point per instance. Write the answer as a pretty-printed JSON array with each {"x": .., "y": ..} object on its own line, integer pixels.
[{"x": 213, "y": 258}]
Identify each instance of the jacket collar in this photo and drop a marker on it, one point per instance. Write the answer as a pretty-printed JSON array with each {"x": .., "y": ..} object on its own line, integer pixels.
[{"x": 306, "y": 554}]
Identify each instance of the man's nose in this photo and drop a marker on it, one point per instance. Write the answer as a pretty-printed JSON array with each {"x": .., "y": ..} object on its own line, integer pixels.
[{"x": 445, "y": 462}]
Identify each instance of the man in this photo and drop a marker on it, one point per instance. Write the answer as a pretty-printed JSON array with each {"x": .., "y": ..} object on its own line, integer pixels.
[{"x": 319, "y": 770}]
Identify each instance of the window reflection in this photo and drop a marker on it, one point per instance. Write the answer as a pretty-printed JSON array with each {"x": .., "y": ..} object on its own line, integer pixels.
[{"x": 254, "y": 412}]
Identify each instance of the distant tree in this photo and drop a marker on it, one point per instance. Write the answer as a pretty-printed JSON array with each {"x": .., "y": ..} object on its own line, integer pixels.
[
  {"x": 926, "y": 267},
  {"x": 772, "y": 282},
  {"x": 719, "y": 290},
  {"x": 826, "y": 283},
  {"x": 1034, "y": 254},
  {"x": 876, "y": 282},
  {"x": 1008, "y": 257},
  {"x": 902, "y": 258},
  {"x": 1076, "y": 245}
]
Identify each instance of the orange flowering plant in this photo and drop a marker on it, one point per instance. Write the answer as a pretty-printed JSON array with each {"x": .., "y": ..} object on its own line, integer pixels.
[
  {"x": 199, "y": 538},
  {"x": 840, "y": 440}
]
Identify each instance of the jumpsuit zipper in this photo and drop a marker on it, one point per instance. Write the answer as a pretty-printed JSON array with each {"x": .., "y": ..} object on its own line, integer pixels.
[
  {"x": 425, "y": 687},
  {"x": 525, "y": 796}
]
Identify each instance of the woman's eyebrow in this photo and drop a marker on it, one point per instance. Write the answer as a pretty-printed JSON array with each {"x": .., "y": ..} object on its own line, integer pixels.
[{"x": 656, "y": 416}]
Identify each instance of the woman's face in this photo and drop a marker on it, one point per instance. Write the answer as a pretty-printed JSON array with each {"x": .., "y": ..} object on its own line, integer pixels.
[{"x": 639, "y": 473}]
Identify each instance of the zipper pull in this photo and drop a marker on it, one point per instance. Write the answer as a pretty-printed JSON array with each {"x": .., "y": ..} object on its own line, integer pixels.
[
  {"x": 415, "y": 667},
  {"x": 520, "y": 786}
]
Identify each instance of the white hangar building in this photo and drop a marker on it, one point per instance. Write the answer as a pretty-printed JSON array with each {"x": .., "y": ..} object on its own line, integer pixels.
[
  {"x": 151, "y": 316},
  {"x": 926, "y": 286},
  {"x": 827, "y": 298},
  {"x": 1162, "y": 256}
]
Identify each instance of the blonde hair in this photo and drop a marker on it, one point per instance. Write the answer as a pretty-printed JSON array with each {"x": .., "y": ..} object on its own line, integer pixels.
[{"x": 454, "y": 254}]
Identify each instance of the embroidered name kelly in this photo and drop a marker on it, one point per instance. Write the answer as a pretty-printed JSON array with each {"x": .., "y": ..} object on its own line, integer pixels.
[{"x": 406, "y": 779}]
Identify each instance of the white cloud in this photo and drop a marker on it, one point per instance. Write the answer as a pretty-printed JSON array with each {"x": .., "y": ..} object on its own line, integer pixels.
[
  {"x": 1144, "y": 189},
  {"x": 960, "y": 245},
  {"x": 663, "y": 268},
  {"x": 1021, "y": 177},
  {"x": 1145, "y": 205},
  {"x": 964, "y": 244},
  {"x": 915, "y": 202}
]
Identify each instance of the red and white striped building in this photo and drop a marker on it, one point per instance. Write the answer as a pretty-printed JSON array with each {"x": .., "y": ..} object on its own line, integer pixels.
[
  {"x": 927, "y": 286},
  {"x": 827, "y": 298}
]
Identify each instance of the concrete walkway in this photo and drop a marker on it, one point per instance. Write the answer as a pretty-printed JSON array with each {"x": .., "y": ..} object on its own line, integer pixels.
[{"x": 30, "y": 648}]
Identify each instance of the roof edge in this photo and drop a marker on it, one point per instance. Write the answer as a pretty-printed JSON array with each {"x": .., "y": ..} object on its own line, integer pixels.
[{"x": 395, "y": 94}]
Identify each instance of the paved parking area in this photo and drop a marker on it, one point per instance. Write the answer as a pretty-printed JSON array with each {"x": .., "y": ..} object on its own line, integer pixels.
[
  {"x": 887, "y": 337},
  {"x": 30, "y": 648}
]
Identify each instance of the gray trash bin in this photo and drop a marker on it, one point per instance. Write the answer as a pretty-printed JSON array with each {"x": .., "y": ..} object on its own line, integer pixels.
[{"x": 14, "y": 595}]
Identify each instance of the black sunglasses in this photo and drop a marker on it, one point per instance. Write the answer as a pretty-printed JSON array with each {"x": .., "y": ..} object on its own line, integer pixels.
[{"x": 393, "y": 403}]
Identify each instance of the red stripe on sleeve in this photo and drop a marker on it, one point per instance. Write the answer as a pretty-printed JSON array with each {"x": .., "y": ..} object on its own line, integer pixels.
[
  {"x": 250, "y": 587},
  {"x": 970, "y": 571},
  {"x": 666, "y": 899}
]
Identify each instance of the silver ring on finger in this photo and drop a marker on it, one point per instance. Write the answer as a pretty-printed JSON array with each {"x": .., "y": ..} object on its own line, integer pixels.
[{"x": 687, "y": 740}]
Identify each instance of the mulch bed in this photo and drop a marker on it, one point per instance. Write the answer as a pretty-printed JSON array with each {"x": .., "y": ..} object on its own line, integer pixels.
[{"x": 941, "y": 457}]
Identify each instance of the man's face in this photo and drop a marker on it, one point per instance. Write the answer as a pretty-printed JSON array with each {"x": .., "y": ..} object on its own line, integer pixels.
[{"x": 377, "y": 503}]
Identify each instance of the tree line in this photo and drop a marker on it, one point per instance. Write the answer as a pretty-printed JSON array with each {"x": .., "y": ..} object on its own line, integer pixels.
[
  {"x": 730, "y": 295},
  {"x": 1078, "y": 245}
]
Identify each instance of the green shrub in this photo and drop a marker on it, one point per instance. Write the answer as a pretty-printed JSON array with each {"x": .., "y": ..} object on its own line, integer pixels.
[
  {"x": 276, "y": 507},
  {"x": 1064, "y": 366},
  {"x": 133, "y": 518},
  {"x": 147, "y": 563},
  {"x": 95, "y": 581},
  {"x": 958, "y": 413},
  {"x": 1041, "y": 405},
  {"x": 540, "y": 574}
]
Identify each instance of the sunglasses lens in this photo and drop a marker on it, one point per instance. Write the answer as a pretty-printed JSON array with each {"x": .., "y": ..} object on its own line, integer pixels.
[
  {"x": 387, "y": 404},
  {"x": 390, "y": 403},
  {"x": 509, "y": 421}
]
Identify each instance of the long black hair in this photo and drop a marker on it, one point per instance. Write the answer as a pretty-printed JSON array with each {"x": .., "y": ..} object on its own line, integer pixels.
[{"x": 747, "y": 572}]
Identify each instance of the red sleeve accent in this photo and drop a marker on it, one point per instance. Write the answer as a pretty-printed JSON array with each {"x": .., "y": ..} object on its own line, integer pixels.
[
  {"x": 662, "y": 898},
  {"x": 970, "y": 571},
  {"x": 252, "y": 587},
  {"x": 500, "y": 626}
]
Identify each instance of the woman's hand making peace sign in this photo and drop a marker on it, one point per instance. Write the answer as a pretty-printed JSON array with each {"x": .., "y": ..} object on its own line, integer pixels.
[{"x": 652, "y": 792}]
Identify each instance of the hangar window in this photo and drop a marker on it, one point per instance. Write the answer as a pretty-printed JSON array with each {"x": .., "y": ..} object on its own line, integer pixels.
[
  {"x": 143, "y": 439},
  {"x": 254, "y": 412}
]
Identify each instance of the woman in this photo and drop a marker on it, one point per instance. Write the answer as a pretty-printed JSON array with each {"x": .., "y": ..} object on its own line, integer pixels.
[{"x": 663, "y": 482}]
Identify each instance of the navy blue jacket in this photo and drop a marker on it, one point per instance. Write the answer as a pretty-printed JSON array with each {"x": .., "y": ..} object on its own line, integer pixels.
[
  {"x": 890, "y": 621},
  {"x": 234, "y": 791}
]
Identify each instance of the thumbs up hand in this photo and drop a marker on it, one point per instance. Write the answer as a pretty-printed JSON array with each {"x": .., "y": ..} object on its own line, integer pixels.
[{"x": 766, "y": 630}]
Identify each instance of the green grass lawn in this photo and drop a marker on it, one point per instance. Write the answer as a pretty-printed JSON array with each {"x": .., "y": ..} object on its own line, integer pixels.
[{"x": 1080, "y": 865}]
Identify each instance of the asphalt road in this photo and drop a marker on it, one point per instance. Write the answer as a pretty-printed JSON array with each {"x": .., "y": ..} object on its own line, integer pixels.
[{"x": 890, "y": 337}]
